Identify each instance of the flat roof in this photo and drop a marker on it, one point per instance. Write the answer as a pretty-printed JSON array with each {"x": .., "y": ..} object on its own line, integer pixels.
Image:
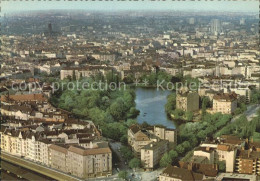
[{"x": 235, "y": 176}]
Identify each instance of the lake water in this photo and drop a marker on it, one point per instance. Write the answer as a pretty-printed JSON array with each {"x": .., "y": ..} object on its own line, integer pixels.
[{"x": 150, "y": 102}]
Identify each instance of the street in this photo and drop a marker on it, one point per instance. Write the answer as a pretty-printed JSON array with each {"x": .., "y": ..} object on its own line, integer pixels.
[
  {"x": 115, "y": 146},
  {"x": 250, "y": 112}
]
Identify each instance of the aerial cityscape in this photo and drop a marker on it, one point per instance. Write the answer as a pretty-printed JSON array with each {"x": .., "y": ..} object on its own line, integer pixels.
[{"x": 130, "y": 91}]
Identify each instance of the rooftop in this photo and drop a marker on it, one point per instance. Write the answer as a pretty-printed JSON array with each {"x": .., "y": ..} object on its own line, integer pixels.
[
  {"x": 155, "y": 145},
  {"x": 225, "y": 96},
  {"x": 181, "y": 173}
]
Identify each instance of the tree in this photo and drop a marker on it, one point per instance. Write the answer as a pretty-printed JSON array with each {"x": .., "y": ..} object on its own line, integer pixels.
[
  {"x": 129, "y": 79},
  {"x": 123, "y": 139},
  {"x": 126, "y": 152},
  {"x": 97, "y": 115},
  {"x": 180, "y": 149},
  {"x": 73, "y": 75},
  {"x": 193, "y": 141},
  {"x": 173, "y": 155},
  {"x": 145, "y": 124},
  {"x": 171, "y": 103},
  {"x": 255, "y": 96},
  {"x": 130, "y": 122},
  {"x": 134, "y": 163},
  {"x": 112, "y": 77},
  {"x": 186, "y": 145},
  {"x": 108, "y": 117},
  {"x": 133, "y": 112},
  {"x": 189, "y": 115},
  {"x": 123, "y": 174},
  {"x": 80, "y": 76},
  {"x": 165, "y": 160},
  {"x": 205, "y": 104},
  {"x": 202, "y": 134},
  {"x": 221, "y": 166},
  {"x": 118, "y": 109},
  {"x": 178, "y": 113},
  {"x": 238, "y": 111},
  {"x": 105, "y": 102}
]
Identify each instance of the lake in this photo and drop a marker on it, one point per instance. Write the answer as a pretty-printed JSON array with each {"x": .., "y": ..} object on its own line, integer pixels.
[{"x": 150, "y": 102}]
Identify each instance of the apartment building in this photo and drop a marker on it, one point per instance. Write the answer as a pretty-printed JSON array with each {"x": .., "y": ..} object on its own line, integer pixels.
[
  {"x": 226, "y": 103},
  {"x": 187, "y": 101},
  {"x": 86, "y": 71},
  {"x": 210, "y": 155},
  {"x": 235, "y": 177},
  {"x": 49, "y": 144},
  {"x": 25, "y": 144},
  {"x": 243, "y": 93},
  {"x": 58, "y": 157},
  {"x": 90, "y": 162},
  {"x": 227, "y": 153},
  {"x": 165, "y": 133},
  {"x": 139, "y": 137},
  {"x": 222, "y": 149},
  {"x": 82, "y": 162},
  {"x": 152, "y": 153},
  {"x": 248, "y": 162},
  {"x": 204, "y": 155}
]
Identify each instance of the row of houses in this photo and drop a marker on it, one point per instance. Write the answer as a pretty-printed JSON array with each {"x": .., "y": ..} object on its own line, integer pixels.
[
  {"x": 31, "y": 106},
  {"x": 125, "y": 70},
  {"x": 86, "y": 71},
  {"x": 241, "y": 159},
  {"x": 75, "y": 148}
]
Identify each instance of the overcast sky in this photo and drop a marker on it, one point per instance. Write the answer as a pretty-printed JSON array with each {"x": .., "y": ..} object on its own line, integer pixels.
[{"x": 233, "y": 6}]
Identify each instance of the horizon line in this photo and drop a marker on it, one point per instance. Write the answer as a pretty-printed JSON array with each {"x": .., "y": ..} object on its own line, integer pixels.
[{"x": 130, "y": 10}]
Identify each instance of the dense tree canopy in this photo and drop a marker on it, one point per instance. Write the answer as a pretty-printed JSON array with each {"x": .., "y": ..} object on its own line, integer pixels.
[
  {"x": 134, "y": 163},
  {"x": 108, "y": 109},
  {"x": 123, "y": 174},
  {"x": 242, "y": 127}
]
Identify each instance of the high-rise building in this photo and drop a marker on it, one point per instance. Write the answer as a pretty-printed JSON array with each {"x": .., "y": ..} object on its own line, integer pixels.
[
  {"x": 191, "y": 21},
  {"x": 242, "y": 21},
  {"x": 225, "y": 103},
  {"x": 215, "y": 26},
  {"x": 187, "y": 100},
  {"x": 152, "y": 153},
  {"x": 50, "y": 28}
]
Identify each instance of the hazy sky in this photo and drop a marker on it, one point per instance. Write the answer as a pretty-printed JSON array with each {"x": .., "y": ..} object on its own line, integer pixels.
[{"x": 234, "y": 6}]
